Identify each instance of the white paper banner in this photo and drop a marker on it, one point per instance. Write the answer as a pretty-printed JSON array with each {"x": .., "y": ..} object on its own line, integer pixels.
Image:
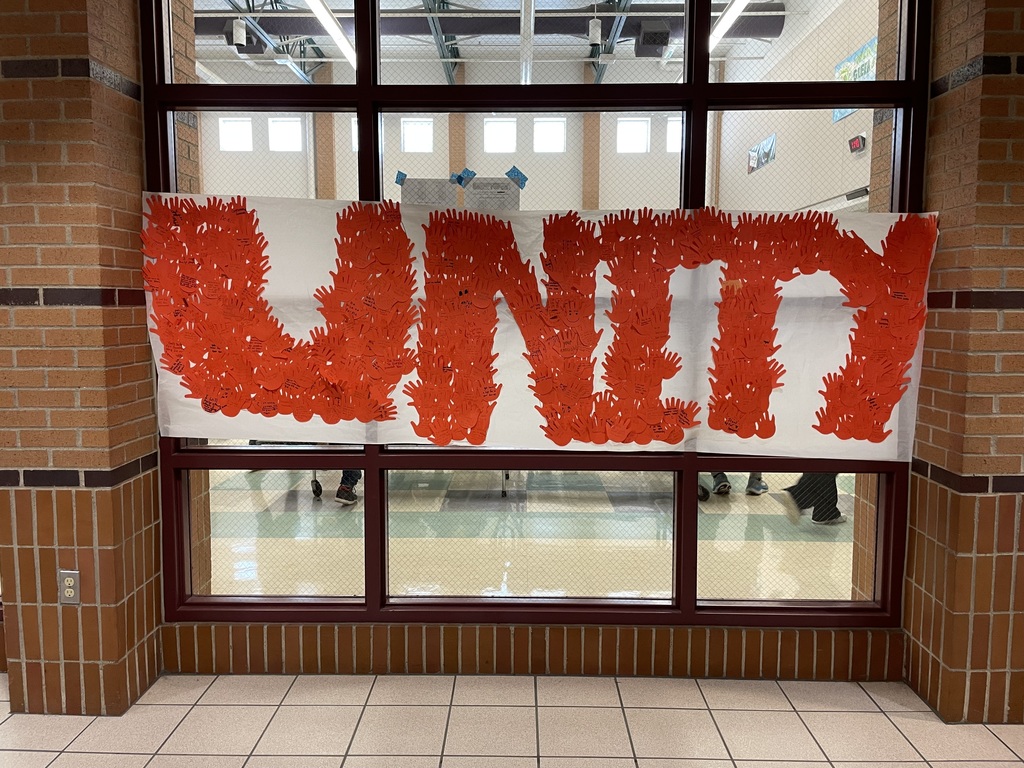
[{"x": 791, "y": 335}]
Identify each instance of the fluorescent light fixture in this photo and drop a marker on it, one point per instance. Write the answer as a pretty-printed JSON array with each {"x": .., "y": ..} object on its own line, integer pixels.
[
  {"x": 725, "y": 22},
  {"x": 330, "y": 23}
]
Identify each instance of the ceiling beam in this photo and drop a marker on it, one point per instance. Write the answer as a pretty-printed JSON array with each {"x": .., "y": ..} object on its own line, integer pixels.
[
  {"x": 622, "y": 8},
  {"x": 526, "y": 20},
  {"x": 443, "y": 52}
]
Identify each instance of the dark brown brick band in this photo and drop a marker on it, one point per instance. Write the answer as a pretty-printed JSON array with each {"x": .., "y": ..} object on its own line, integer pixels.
[
  {"x": 44, "y": 68},
  {"x": 975, "y": 68},
  {"x": 74, "y": 478},
  {"x": 968, "y": 483},
  {"x": 72, "y": 297}
]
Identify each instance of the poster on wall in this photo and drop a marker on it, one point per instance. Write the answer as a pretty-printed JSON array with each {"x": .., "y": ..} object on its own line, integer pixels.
[
  {"x": 759, "y": 156},
  {"x": 316, "y": 321},
  {"x": 859, "y": 65}
]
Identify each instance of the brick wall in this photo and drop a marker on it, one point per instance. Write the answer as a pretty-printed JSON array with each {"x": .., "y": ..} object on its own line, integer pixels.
[
  {"x": 964, "y": 591},
  {"x": 787, "y": 654},
  {"x": 77, "y": 447}
]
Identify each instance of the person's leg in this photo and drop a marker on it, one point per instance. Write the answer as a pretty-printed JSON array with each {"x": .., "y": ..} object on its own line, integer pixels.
[
  {"x": 720, "y": 484},
  {"x": 817, "y": 491},
  {"x": 823, "y": 491},
  {"x": 755, "y": 485},
  {"x": 346, "y": 495}
]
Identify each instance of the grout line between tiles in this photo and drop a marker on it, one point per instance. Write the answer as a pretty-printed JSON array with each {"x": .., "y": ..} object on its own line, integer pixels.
[
  {"x": 888, "y": 716},
  {"x": 807, "y": 728},
  {"x": 1012, "y": 750},
  {"x": 277, "y": 709},
  {"x": 625, "y": 720},
  {"x": 183, "y": 718},
  {"x": 359, "y": 720},
  {"x": 536, "y": 717},
  {"x": 714, "y": 722}
]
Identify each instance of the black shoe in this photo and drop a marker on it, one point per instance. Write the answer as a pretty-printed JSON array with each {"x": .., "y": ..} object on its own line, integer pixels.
[
  {"x": 345, "y": 495},
  {"x": 722, "y": 486},
  {"x": 703, "y": 492},
  {"x": 836, "y": 519}
]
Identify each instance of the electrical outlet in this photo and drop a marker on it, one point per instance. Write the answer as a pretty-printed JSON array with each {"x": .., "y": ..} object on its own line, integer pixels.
[{"x": 68, "y": 585}]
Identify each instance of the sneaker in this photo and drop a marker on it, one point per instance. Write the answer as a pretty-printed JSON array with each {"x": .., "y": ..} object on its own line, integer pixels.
[
  {"x": 703, "y": 492},
  {"x": 839, "y": 518},
  {"x": 791, "y": 507},
  {"x": 757, "y": 488},
  {"x": 721, "y": 487},
  {"x": 345, "y": 495}
]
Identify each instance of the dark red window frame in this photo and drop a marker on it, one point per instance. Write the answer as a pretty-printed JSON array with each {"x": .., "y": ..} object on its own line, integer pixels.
[{"x": 907, "y": 96}]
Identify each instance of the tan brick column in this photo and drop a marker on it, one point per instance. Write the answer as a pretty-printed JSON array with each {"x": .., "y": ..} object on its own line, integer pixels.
[
  {"x": 591, "y": 152},
  {"x": 78, "y": 436},
  {"x": 964, "y": 590}
]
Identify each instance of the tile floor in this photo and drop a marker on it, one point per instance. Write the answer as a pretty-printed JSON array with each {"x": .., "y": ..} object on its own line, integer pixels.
[
  {"x": 507, "y": 722},
  {"x": 453, "y": 533}
]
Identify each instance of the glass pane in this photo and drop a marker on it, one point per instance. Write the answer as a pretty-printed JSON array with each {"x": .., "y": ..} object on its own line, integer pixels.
[
  {"x": 589, "y": 173},
  {"x": 530, "y": 534},
  {"x": 269, "y": 532},
  {"x": 549, "y": 134},
  {"x": 791, "y": 160},
  {"x": 285, "y": 134},
  {"x": 801, "y": 41},
  {"x": 297, "y": 154},
  {"x": 221, "y": 41},
  {"x": 533, "y": 41},
  {"x": 777, "y": 536}
]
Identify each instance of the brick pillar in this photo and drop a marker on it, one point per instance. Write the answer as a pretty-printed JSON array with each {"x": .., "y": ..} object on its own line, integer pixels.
[
  {"x": 591, "y": 152},
  {"x": 324, "y": 127},
  {"x": 78, "y": 437},
  {"x": 964, "y": 589},
  {"x": 457, "y": 139}
]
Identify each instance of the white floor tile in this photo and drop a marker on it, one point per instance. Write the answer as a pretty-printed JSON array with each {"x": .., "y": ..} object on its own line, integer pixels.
[
  {"x": 217, "y": 730},
  {"x": 414, "y": 689},
  {"x": 586, "y": 762},
  {"x": 177, "y": 689},
  {"x": 309, "y": 731},
  {"x": 660, "y": 692},
  {"x": 248, "y": 689},
  {"x": 399, "y": 730},
  {"x": 196, "y": 761},
  {"x": 43, "y": 732},
  {"x": 1012, "y": 736},
  {"x": 858, "y": 736},
  {"x": 807, "y": 696},
  {"x": 744, "y": 694},
  {"x": 390, "y": 761},
  {"x": 895, "y": 697},
  {"x": 488, "y": 762},
  {"x": 583, "y": 732},
  {"x": 93, "y": 760},
  {"x": 674, "y": 733},
  {"x": 279, "y": 761},
  {"x": 140, "y": 730},
  {"x": 577, "y": 692},
  {"x": 329, "y": 689},
  {"x": 937, "y": 741},
  {"x": 16, "y": 759},
  {"x": 495, "y": 731},
  {"x": 662, "y": 763},
  {"x": 767, "y": 736},
  {"x": 496, "y": 690}
]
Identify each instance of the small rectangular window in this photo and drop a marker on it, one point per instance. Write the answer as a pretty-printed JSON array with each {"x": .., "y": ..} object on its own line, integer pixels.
[
  {"x": 418, "y": 134},
  {"x": 499, "y": 134},
  {"x": 285, "y": 134},
  {"x": 235, "y": 134},
  {"x": 674, "y": 135},
  {"x": 549, "y": 134},
  {"x": 633, "y": 135}
]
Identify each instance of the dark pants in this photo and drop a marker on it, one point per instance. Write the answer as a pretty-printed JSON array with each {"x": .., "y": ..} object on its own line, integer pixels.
[
  {"x": 817, "y": 490},
  {"x": 349, "y": 477}
]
